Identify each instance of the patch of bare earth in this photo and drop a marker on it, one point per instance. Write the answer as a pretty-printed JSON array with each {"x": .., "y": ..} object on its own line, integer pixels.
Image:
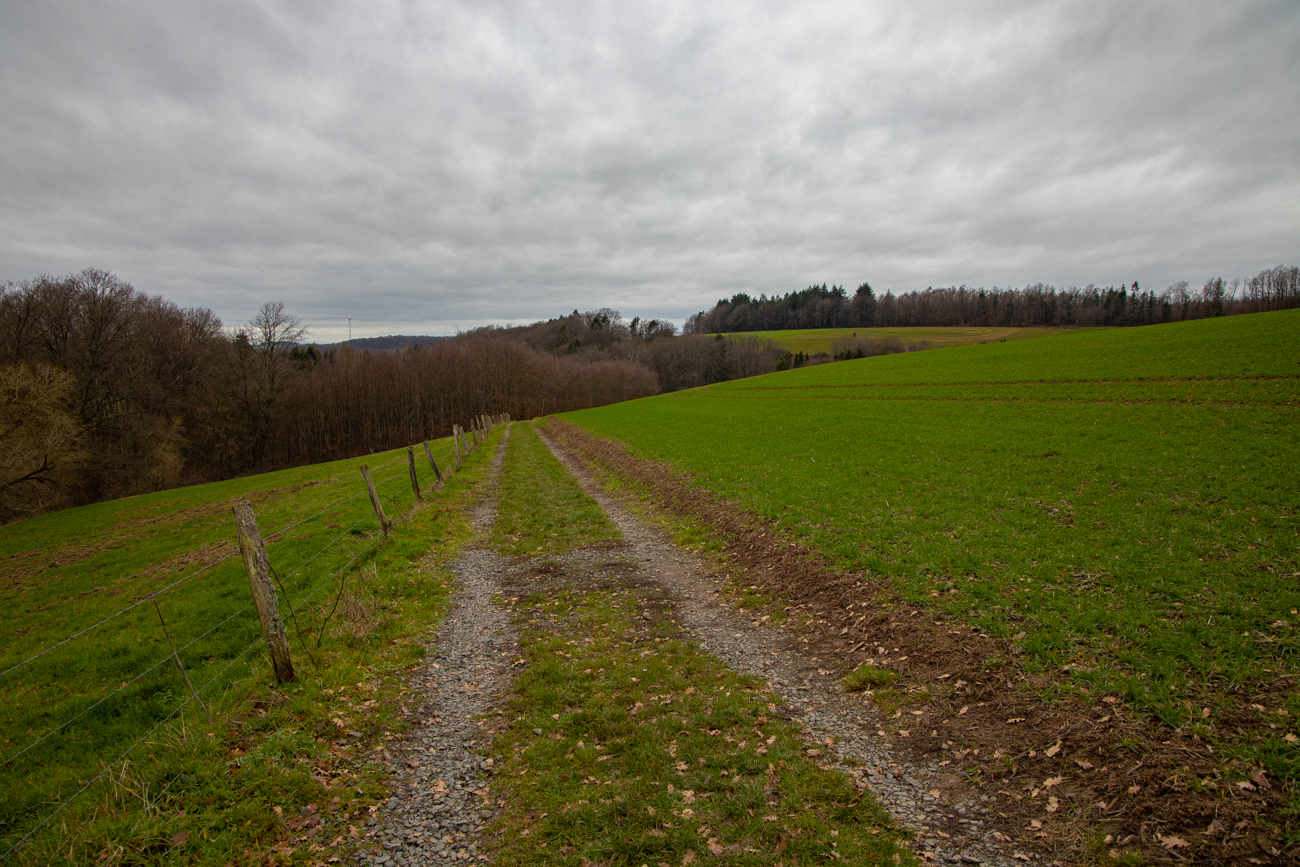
[{"x": 962, "y": 747}]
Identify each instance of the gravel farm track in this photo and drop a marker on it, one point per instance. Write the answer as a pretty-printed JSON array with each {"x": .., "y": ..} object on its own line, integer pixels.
[{"x": 968, "y": 758}]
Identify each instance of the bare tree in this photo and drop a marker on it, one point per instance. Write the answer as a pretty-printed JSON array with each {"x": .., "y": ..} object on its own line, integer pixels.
[
  {"x": 262, "y": 369},
  {"x": 40, "y": 439}
]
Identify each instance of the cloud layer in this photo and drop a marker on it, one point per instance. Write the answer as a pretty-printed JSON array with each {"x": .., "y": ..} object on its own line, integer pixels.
[{"x": 427, "y": 166}]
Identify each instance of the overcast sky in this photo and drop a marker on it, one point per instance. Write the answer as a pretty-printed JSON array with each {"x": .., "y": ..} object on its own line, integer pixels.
[{"x": 424, "y": 167}]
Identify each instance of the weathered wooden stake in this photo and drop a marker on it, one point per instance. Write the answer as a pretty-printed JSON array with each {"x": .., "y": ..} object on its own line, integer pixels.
[
  {"x": 429, "y": 453},
  {"x": 415, "y": 481},
  {"x": 374, "y": 499},
  {"x": 455, "y": 439},
  {"x": 258, "y": 568}
]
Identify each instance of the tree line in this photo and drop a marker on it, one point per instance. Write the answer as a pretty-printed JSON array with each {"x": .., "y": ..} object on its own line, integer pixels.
[
  {"x": 106, "y": 391},
  {"x": 820, "y": 306}
]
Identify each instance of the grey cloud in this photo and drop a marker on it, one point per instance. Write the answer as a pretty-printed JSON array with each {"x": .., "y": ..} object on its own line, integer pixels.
[{"x": 424, "y": 166}]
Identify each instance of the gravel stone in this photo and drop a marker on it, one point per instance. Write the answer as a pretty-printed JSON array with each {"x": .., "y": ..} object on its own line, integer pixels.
[
  {"x": 464, "y": 674},
  {"x": 815, "y": 699}
]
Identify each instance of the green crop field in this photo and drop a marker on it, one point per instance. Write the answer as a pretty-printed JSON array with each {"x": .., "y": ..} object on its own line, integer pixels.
[
  {"x": 1125, "y": 498},
  {"x": 86, "y": 670},
  {"x": 814, "y": 340}
]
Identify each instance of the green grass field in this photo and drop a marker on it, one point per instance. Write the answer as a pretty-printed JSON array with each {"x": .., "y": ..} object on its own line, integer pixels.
[
  {"x": 86, "y": 670},
  {"x": 814, "y": 340},
  {"x": 1125, "y": 498}
]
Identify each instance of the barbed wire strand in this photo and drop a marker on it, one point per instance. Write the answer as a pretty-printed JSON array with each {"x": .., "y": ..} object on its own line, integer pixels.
[
  {"x": 136, "y": 604},
  {"x": 328, "y": 545},
  {"x": 142, "y": 600},
  {"x": 160, "y": 662},
  {"x": 344, "y": 567},
  {"x": 127, "y": 751},
  {"x": 202, "y": 689},
  {"x": 284, "y": 530}
]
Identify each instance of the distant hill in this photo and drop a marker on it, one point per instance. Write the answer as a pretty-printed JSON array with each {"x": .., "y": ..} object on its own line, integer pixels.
[{"x": 393, "y": 341}]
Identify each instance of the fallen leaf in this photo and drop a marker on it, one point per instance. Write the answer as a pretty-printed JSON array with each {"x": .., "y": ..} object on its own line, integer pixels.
[
  {"x": 814, "y": 753},
  {"x": 1035, "y": 825},
  {"x": 1218, "y": 826},
  {"x": 715, "y": 847},
  {"x": 962, "y": 711},
  {"x": 1247, "y": 785},
  {"x": 1172, "y": 842},
  {"x": 1053, "y": 749},
  {"x": 1015, "y": 719},
  {"x": 1290, "y": 738},
  {"x": 1205, "y": 713},
  {"x": 1134, "y": 789},
  {"x": 1084, "y": 763},
  {"x": 180, "y": 837},
  {"x": 1052, "y": 781},
  {"x": 1053, "y": 804},
  {"x": 689, "y": 857},
  {"x": 1110, "y": 699}
]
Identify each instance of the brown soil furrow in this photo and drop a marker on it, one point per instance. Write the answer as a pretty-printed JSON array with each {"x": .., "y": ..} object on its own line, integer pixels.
[{"x": 1064, "y": 779}]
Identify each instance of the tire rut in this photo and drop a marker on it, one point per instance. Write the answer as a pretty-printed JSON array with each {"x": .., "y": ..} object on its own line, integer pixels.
[
  {"x": 929, "y": 799},
  {"x": 439, "y": 804}
]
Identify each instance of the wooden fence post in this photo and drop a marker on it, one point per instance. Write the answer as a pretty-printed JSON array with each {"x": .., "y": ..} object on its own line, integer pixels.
[
  {"x": 374, "y": 499},
  {"x": 455, "y": 439},
  {"x": 415, "y": 481},
  {"x": 258, "y": 567},
  {"x": 429, "y": 453}
]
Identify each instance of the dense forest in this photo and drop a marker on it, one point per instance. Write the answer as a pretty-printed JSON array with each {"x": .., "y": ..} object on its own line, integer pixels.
[
  {"x": 106, "y": 391},
  {"x": 1038, "y": 305}
]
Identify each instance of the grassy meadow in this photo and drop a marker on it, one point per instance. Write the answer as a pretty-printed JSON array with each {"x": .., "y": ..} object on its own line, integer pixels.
[
  {"x": 811, "y": 341},
  {"x": 1123, "y": 501},
  {"x": 87, "y": 672}
]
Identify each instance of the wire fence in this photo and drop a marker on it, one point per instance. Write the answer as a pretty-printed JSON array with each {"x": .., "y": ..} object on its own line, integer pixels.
[{"x": 145, "y": 681}]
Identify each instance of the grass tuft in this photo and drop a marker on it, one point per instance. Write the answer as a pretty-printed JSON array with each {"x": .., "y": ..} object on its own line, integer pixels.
[{"x": 867, "y": 676}]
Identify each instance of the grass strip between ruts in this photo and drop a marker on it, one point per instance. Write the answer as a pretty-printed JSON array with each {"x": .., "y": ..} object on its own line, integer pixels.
[
  {"x": 541, "y": 508},
  {"x": 628, "y": 746}
]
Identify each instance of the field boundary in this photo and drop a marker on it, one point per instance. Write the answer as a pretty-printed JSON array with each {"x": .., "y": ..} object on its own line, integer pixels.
[
  {"x": 402, "y": 499},
  {"x": 1079, "y": 776}
]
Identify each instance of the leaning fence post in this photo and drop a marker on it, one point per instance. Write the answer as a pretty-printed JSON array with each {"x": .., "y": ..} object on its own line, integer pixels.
[
  {"x": 455, "y": 439},
  {"x": 374, "y": 499},
  {"x": 415, "y": 481},
  {"x": 429, "y": 453},
  {"x": 258, "y": 567}
]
